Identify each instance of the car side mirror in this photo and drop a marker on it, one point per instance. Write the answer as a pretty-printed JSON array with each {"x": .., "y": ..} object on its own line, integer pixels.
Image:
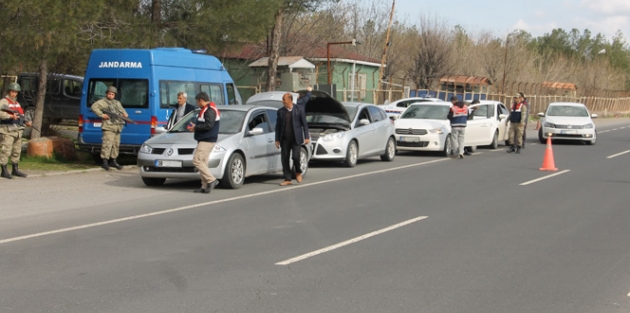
[
  {"x": 502, "y": 116},
  {"x": 541, "y": 114},
  {"x": 393, "y": 117},
  {"x": 364, "y": 122},
  {"x": 256, "y": 131},
  {"x": 593, "y": 115}
]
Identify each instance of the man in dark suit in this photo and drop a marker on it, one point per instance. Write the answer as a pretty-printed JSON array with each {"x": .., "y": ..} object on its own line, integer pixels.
[
  {"x": 291, "y": 133},
  {"x": 181, "y": 109}
]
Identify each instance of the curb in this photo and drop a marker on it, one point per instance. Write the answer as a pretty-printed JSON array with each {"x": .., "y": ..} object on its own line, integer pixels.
[{"x": 78, "y": 171}]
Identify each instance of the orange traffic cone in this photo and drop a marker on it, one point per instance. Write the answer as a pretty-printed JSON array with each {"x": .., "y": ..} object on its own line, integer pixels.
[{"x": 548, "y": 163}]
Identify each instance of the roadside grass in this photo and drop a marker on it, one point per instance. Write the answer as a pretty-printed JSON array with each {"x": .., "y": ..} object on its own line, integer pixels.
[{"x": 56, "y": 163}]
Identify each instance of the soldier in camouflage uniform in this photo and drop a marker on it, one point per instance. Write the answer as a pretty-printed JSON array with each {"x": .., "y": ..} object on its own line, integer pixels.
[
  {"x": 12, "y": 122},
  {"x": 112, "y": 127}
]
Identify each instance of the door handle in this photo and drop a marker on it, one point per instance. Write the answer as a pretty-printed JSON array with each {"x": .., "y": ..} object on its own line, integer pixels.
[{"x": 269, "y": 140}]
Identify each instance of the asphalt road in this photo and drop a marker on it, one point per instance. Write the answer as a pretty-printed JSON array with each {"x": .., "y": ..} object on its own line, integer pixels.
[{"x": 420, "y": 234}]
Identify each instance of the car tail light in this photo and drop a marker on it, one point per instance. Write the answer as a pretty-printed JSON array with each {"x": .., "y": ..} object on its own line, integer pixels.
[
  {"x": 154, "y": 123},
  {"x": 80, "y": 122}
]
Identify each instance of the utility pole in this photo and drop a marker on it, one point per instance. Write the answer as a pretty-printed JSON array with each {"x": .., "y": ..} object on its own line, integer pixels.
[
  {"x": 507, "y": 41},
  {"x": 383, "y": 59}
]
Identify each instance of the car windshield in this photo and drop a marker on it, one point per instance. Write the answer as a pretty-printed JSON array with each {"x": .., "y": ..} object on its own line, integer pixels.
[
  {"x": 231, "y": 121},
  {"x": 567, "y": 110},
  {"x": 352, "y": 111},
  {"x": 426, "y": 112}
]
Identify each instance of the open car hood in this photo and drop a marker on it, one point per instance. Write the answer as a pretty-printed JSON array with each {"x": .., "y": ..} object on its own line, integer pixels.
[{"x": 322, "y": 103}]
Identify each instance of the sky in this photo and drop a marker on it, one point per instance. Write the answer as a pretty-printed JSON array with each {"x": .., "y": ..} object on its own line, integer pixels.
[{"x": 537, "y": 17}]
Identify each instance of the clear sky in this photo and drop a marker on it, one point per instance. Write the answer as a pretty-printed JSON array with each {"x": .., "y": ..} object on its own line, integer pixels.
[{"x": 534, "y": 16}]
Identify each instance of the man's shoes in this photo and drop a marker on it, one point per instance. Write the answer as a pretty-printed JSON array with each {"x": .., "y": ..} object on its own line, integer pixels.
[
  {"x": 286, "y": 183},
  {"x": 202, "y": 190},
  {"x": 5, "y": 172},
  {"x": 467, "y": 153},
  {"x": 518, "y": 150},
  {"x": 213, "y": 184},
  {"x": 16, "y": 171},
  {"x": 113, "y": 163},
  {"x": 461, "y": 156},
  {"x": 512, "y": 149},
  {"x": 105, "y": 165},
  {"x": 298, "y": 177}
]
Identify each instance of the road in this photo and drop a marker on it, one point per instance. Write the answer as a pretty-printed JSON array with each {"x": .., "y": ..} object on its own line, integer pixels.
[{"x": 420, "y": 234}]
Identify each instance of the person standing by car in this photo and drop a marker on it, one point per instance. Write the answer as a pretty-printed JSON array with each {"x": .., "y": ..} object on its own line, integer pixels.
[
  {"x": 206, "y": 131},
  {"x": 517, "y": 121},
  {"x": 111, "y": 127},
  {"x": 181, "y": 109},
  {"x": 291, "y": 133},
  {"x": 524, "y": 110},
  {"x": 458, "y": 115},
  {"x": 11, "y": 131}
]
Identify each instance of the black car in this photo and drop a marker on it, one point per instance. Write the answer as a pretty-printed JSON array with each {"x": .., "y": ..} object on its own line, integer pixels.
[{"x": 63, "y": 95}]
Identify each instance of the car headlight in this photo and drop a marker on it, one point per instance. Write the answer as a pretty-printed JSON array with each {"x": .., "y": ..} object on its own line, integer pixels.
[
  {"x": 218, "y": 148},
  {"x": 335, "y": 136},
  {"x": 589, "y": 126},
  {"x": 437, "y": 131},
  {"x": 550, "y": 125},
  {"x": 146, "y": 149}
]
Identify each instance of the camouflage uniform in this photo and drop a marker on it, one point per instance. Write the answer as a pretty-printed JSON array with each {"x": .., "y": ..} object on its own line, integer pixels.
[
  {"x": 111, "y": 127},
  {"x": 10, "y": 137}
]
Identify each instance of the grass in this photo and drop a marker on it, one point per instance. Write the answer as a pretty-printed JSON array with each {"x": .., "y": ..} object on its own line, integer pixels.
[{"x": 56, "y": 164}]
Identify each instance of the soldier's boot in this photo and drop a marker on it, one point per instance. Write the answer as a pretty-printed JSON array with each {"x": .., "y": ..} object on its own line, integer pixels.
[
  {"x": 105, "y": 165},
  {"x": 16, "y": 171},
  {"x": 113, "y": 163},
  {"x": 518, "y": 149},
  {"x": 512, "y": 149},
  {"x": 5, "y": 172}
]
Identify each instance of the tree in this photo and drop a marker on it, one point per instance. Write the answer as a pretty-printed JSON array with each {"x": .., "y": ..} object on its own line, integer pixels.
[{"x": 433, "y": 55}]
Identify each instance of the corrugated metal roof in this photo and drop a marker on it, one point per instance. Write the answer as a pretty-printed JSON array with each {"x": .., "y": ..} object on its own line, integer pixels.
[
  {"x": 559, "y": 85},
  {"x": 292, "y": 62},
  {"x": 463, "y": 79}
]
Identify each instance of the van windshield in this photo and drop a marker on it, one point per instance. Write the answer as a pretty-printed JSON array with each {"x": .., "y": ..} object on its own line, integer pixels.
[
  {"x": 231, "y": 121},
  {"x": 132, "y": 93}
]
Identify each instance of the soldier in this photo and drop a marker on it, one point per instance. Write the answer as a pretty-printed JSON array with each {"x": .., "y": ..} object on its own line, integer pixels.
[
  {"x": 517, "y": 123},
  {"x": 11, "y": 127},
  {"x": 112, "y": 127}
]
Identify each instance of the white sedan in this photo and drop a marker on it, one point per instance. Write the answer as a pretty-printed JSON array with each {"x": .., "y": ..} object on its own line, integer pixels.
[
  {"x": 567, "y": 121},
  {"x": 396, "y": 108},
  {"x": 425, "y": 127},
  {"x": 488, "y": 121}
]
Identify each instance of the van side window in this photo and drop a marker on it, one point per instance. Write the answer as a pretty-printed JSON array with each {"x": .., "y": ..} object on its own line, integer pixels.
[
  {"x": 72, "y": 88},
  {"x": 231, "y": 94},
  {"x": 132, "y": 93},
  {"x": 215, "y": 91},
  {"x": 170, "y": 89}
]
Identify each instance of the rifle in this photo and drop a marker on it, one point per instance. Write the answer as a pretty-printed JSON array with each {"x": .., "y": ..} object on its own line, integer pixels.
[
  {"x": 21, "y": 118},
  {"x": 114, "y": 116}
]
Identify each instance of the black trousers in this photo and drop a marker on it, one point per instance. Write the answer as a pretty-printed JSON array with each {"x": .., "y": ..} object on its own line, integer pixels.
[{"x": 290, "y": 149}]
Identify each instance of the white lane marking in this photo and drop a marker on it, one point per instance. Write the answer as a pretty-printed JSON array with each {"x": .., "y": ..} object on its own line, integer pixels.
[
  {"x": 476, "y": 153},
  {"x": 348, "y": 242},
  {"x": 628, "y": 294},
  {"x": 618, "y": 154},
  {"x": 543, "y": 178},
  {"x": 193, "y": 206},
  {"x": 622, "y": 127},
  {"x": 603, "y": 131},
  {"x": 615, "y": 129},
  {"x": 495, "y": 150}
]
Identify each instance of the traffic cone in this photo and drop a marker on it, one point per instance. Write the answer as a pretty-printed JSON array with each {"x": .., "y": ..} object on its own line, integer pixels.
[{"x": 548, "y": 163}]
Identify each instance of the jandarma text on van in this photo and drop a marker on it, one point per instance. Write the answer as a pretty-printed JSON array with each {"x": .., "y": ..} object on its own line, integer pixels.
[{"x": 120, "y": 65}]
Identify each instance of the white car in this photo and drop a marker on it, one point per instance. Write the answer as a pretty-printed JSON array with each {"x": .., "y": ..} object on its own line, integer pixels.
[
  {"x": 425, "y": 127},
  {"x": 491, "y": 118},
  {"x": 567, "y": 121},
  {"x": 396, "y": 108}
]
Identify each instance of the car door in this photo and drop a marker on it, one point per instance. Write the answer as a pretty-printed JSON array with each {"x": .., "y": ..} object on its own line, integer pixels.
[
  {"x": 260, "y": 147},
  {"x": 478, "y": 128},
  {"x": 70, "y": 98},
  {"x": 272, "y": 114},
  {"x": 503, "y": 122},
  {"x": 364, "y": 133},
  {"x": 381, "y": 124}
]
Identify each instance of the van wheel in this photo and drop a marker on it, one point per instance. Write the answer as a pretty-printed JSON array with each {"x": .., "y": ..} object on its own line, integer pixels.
[
  {"x": 153, "y": 182},
  {"x": 390, "y": 150},
  {"x": 352, "y": 154},
  {"x": 234, "y": 175}
]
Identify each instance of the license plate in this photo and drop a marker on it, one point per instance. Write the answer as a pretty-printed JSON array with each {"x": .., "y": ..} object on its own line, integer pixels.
[
  {"x": 98, "y": 124},
  {"x": 409, "y": 139},
  {"x": 168, "y": 163},
  {"x": 569, "y": 132}
]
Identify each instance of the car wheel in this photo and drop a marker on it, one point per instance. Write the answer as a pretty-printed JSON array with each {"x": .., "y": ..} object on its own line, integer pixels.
[
  {"x": 352, "y": 154},
  {"x": 153, "y": 182},
  {"x": 592, "y": 141},
  {"x": 540, "y": 136},
  {"x": 448, "y": 149},
  {"x": 495, "y": 141},
  {"x": 303, "y": 162},
  {"x": 390, "y": 150},
  {"x": 234, "y": 172}
]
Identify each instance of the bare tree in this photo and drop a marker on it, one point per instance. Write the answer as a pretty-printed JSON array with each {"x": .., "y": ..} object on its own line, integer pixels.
[{"x": 433, "y": 55}]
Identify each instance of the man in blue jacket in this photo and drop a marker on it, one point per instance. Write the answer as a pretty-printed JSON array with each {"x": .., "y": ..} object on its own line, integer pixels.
[
  {"x": 206, "y": 132},
  {"x": 291, "y": 133}
]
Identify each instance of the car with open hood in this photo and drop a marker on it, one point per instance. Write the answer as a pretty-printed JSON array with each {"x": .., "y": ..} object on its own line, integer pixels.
[
  {"x": 425, "y": 127},
  {"x": 245, "y": 147},
  {"x": 567, "y": 121},
  {"x": 348, "y": 131}
]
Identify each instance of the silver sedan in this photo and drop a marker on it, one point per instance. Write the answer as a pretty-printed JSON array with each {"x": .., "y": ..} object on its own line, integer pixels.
[{"x": 246, "y": 147}]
